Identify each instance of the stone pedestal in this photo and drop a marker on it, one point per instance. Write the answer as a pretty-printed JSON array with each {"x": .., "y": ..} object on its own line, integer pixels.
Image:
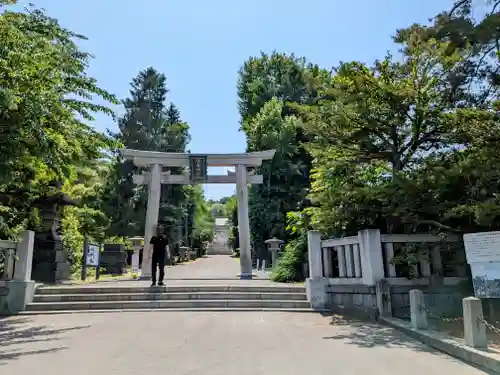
[
  {"x": 316, "y": 293},
  {"x": 18, "y": 295},
  {"x": 114, "y": 260},
  {"x": 50, "y": 261}
]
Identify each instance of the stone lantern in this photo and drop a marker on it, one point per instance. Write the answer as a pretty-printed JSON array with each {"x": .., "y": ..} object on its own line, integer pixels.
[
  {"x": 274, "y": 245},
  {"x": 50, "y": 259},
  {"x": 137, "y": 242}
]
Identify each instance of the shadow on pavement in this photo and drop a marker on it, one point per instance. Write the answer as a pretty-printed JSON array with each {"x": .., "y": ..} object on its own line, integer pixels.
[
  {"x": 367, "y": 334},
  {"x": 18, "y": 332}
]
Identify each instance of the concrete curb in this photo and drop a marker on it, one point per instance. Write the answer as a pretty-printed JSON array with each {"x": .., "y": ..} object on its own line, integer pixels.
[{"x": 487, "y": 359}]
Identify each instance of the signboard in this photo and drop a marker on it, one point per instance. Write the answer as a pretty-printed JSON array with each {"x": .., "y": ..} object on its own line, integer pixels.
[
  {"x": 198, "y": 167},
  {"x": 91, "y": 258},
  {"x": 483, "y": 255},
  {"x": 482, "y": 247},
  {"x": 93, "y": 253}
]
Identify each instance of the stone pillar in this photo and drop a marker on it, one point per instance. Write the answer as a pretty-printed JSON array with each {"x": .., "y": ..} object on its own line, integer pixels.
[
  {"x": 243, "y": 222},
  {"x": 152, "y": 213},
  {"x": 474, "y": 327},
  {"x": 24, "y": 254},
  {"x": 417, "y": 310},
  {"x": 316, "y": 284},
  {"x": 372, "y": 262},
  {"x": 21, "y": 288},
  {"x": 314, "y": 254},
  {"x": 274, "y": 257}
]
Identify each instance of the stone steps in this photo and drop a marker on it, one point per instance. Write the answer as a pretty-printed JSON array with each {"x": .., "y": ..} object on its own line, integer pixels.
[
  {"x": 205, "y": 309},
  {"x": 190, "y": 298},
  {"x": 219, "y": 250},
  {"x": 92, "y": 289},
  {"x": 167, "y": 296},
  {"x": 166, "y": 304}
]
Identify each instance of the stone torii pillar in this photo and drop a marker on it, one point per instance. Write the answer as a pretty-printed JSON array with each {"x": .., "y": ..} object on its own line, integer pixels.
[
  {"x": 151, "y": 225},
  {"x": 243, "y": 222}
]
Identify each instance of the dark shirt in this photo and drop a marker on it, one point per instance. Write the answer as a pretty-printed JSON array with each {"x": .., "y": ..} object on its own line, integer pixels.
[{"x": 159, "y": 245}]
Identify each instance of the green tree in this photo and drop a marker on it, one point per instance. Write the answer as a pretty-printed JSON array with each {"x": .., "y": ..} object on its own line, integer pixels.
[
  {"x": 148, "y": 124},
  {"x": 266, "y": 86},
  {"x": 45, "y": 103}
]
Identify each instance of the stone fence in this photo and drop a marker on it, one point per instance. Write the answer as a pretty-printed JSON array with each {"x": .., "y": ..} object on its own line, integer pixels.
[
  {"x": 474, "y": 323},
  {"x": 16, "y": 287},
  {"x": 358, "y": 272}
]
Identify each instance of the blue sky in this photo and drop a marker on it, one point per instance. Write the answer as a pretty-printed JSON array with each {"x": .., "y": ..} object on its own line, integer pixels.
[{"x": 201, "y": 44}]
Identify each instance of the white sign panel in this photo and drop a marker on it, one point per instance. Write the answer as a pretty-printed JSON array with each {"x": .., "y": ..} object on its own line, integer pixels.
[
  {"x": 482, "y": 247},
  {"x": 93, "y": 255}
]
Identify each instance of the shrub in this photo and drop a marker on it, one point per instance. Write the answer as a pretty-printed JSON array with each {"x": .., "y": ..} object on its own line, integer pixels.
[{"x": 289, "y": 267}]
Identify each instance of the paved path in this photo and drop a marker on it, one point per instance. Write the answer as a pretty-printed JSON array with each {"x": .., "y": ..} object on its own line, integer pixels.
[
  {"x": 189, "y": 343},
  {"x": 209, "y": 267},
  {"x": 211, "y": 343},
  {"x": 210, "y": 270}
]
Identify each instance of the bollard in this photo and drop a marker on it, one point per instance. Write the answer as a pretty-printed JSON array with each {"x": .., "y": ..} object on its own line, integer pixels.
[
  {"x": 417, "y": 310},
  {"x": 474, "y": 327}
]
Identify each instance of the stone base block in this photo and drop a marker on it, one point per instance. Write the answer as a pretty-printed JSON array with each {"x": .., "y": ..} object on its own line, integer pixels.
[
  {"x": 317, "y": 295},
  {"x": 19, "y": 294}
]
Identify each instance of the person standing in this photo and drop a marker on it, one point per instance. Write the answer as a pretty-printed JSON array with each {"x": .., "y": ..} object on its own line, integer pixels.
[{"x": 158, "y": 261}]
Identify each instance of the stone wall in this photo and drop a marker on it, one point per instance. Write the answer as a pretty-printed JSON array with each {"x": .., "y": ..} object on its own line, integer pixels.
[
  {"x": 443, "y": 300},
  {"x": 353, "y": 299}
]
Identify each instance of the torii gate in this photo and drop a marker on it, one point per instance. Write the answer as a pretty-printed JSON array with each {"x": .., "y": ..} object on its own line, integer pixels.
[{"x": 197, "y": 164}]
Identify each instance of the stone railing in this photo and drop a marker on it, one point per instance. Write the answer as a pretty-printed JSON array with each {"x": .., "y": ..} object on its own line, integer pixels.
[
  {"x": 474, "y": 324},
  {"x": 346, "y": 272},
  {"x": 17, "y": 288},
  {"x": 7, "y": 259},
  {"x": 17, "y": 257}
]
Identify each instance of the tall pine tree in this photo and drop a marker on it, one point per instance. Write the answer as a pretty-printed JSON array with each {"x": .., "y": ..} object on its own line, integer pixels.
[{"x": 149, "y": 123}]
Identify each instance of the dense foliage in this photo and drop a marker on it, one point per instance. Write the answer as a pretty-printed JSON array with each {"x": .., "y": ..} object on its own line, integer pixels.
[
  {"x": 406, "y": 144},
  {"x": 46, "y": 104}
]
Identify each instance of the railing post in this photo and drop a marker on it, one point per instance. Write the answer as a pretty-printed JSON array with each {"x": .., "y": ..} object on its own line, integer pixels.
[
  {"x": 24, "y": 256},
  {"x": 417, "y": 310},
  {"x": 314, "y": 254},
  {"x": 372, "y": 261},
  {"x": 474, "y": 327},
  {"x": 21, "y": 288},
  {"x": 316, "y": 284}
]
